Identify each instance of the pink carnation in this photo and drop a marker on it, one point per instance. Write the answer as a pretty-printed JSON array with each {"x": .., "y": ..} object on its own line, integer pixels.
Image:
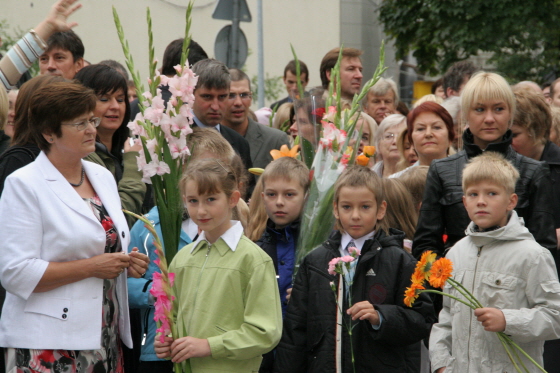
[
  {"x": 354, "y": 251},
  {"x": 347, "y": 259},
  {"x": 332, "y": 266}
]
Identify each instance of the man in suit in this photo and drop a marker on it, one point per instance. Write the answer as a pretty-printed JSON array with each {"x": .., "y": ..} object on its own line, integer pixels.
[
  {"x": 290, "y": 80},
  {"x": 210, "y": 100},
  {"x": 262, "y": 139}
]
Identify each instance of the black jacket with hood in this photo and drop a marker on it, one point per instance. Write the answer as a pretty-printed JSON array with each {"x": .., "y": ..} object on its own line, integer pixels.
[{"x": 382, "y": 275}]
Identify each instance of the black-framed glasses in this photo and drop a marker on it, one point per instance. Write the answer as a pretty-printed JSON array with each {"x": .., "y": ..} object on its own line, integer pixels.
[
  {"x": 242, "y": 95},
  {"x": 80, "y": 126}
]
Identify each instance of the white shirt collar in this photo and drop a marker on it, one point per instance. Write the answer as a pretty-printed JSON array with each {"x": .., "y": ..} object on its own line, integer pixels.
[
  {"x": 231, "y": 237},
  {"x": 359, "y": 242}
]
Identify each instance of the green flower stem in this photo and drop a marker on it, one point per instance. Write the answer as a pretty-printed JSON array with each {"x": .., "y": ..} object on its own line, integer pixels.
[
  {"x": 506, "y": 347},
  {"x": 450, "y": 296},
  {"x": 298, "y": 73},
  {"x": 467, "y": 294},
  {"x": 523, "y": 352},
  {"x": 187, "y": 38},
  {"x": 457, "y": 285}
]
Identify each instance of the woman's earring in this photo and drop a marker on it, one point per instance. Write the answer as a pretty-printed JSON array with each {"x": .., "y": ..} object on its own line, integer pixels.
[{"x": 51, "y": 140}]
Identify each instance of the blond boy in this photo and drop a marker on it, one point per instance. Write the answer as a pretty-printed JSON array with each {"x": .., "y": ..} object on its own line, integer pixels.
[{"x": 500, "y": 262}]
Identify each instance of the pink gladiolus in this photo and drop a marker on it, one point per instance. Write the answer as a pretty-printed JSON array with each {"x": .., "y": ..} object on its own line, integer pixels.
[
  {"x": 156, "y": 167},
  {"x": 163, "y": 304}
]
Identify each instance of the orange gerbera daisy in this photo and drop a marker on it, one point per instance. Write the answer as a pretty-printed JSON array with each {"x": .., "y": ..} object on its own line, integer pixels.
[
  {"x": 441, "y": 271},
  {"x": 418, "y": 277},
  {"x": 284, "y": 152},
  {"x": 412, "y": 293},
  {"x": 362, "y": 160},
  {"x": 425, "y": 264}
]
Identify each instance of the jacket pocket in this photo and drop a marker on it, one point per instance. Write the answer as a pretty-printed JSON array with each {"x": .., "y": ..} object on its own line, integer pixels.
[
  {"x": 498, "y": 289},
  {"x": 59, "y": 308},
  {"x": 315, "y": 336},
  {"x": 220, "y": 329}
]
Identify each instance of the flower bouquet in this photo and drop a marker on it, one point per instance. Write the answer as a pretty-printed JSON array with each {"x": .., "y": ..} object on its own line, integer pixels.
[
  {"x": 327, "y": 148},
  {"x": 345, "y": 267},
  {"x": 162, "y": 129},
  {"x": 437, "y": 273}
]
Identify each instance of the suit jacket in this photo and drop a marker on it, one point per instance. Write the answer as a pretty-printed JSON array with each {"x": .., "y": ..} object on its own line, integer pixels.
[
  {"x": 42, "y": 220},
  {"x": 281, "y": 102},
  {"x": 262, "y": 139}
]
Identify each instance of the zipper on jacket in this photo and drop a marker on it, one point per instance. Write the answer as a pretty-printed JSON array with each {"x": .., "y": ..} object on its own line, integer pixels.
[
  {"x": 197, "y": 286},
  {"x": 471, "y": 313}
]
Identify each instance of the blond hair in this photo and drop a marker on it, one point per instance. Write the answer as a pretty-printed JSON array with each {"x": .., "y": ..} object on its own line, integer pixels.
[
  {"x": 401, "y": 213},
  {"x": 483, "y": 87},
  {"x": 355, "y": 177},
  {"x": 287, "y": 168},
  {"x": 533, "y": 114},
  {"x": 426, "y": 98},
  {"x": 257, "y": 213},
  {"x": 490, "y": 167},
  {"x": 402, "y": 139},
  {"x": 209, "y": 140}
]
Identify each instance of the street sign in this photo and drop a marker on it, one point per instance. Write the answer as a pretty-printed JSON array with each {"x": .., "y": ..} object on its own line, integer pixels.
[
  {"x": 223, "y": 48},
  {"x": 224, "y": 10}
]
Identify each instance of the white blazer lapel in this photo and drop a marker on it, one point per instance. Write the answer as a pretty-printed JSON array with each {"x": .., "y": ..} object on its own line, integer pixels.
[{"x": 61, "y": 187}]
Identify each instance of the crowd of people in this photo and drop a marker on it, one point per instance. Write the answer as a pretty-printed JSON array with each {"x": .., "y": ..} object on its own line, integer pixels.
[{"x": 470, "y": 173}]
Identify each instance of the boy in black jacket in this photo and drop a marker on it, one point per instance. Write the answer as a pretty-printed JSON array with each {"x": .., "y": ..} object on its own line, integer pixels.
[{"x": 313, "y": 340}]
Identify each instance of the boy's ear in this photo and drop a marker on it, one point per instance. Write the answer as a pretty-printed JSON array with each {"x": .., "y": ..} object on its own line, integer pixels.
[
  {"x": 335, "y": 210},
  {"x": 381, "y": 210},
  {"x": 512, "y": 201},
  {"x": 234, "y": 198},
  {"x": 464, "y": 201}
]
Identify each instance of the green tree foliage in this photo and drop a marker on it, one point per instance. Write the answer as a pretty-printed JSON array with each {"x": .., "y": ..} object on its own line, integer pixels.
[{"x": 523, "y": 35}]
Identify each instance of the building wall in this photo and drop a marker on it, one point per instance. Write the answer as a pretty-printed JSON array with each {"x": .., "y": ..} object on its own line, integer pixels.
[{"x": 312, "y": 26}]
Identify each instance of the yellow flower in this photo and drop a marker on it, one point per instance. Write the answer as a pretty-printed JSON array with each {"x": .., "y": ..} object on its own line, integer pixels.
[
  {"x": 284, "y": 152},
  {"x": 412, "y": 293},
  {"x": 362, "y": 160},
  {"x": 369, "y": 151},
  {"x": 441, "y": 271},
  {"x": 425, "y": 264}
]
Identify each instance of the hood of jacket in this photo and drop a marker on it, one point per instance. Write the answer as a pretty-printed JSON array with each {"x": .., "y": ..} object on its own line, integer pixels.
[{"x": 514, "y": 230}]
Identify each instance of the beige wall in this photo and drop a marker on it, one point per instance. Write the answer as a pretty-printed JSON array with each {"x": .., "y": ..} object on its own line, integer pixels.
[{"x": 311, "y": 26}]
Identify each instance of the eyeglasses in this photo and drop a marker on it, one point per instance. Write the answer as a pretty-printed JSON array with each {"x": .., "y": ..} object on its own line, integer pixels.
[
  {"x": 244, "y": 96},
  {"x": 80, "y": 126},
  {"x": 389, "y": 136}
]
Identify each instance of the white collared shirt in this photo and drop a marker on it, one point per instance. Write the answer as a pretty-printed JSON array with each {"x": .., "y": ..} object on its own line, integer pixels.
[
  {"x": 231, "y": 237},
  {"x": 358, "y": 242}
]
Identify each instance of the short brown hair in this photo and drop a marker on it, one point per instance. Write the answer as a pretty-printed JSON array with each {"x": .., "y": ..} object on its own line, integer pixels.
[
  {"x": 359, "y": 176},
  {"x": 22, "y": 124},
  {"x": 291, "y": 67},
  {"x": 532, "y": 113},
  {"x": 330, "y": 59},
  {"x": 287, "y": 168},
  {"x": 56, "y": 103}
]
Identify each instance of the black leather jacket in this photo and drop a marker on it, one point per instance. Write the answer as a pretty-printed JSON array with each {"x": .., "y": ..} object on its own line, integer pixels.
[
  {"x": 442, "y": 210},
  {"x": 382, "y": 275}
]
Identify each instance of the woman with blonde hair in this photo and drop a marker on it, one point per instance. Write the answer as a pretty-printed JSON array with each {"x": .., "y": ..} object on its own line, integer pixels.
[{"x": 488, "y": 107}]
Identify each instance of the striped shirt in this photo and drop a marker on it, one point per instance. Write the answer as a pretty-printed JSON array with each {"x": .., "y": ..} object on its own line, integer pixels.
[{"x": 20, "y": 58}]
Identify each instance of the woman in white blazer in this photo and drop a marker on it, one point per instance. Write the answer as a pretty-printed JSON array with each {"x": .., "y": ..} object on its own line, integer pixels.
[{"x": 62, "y": 232}]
